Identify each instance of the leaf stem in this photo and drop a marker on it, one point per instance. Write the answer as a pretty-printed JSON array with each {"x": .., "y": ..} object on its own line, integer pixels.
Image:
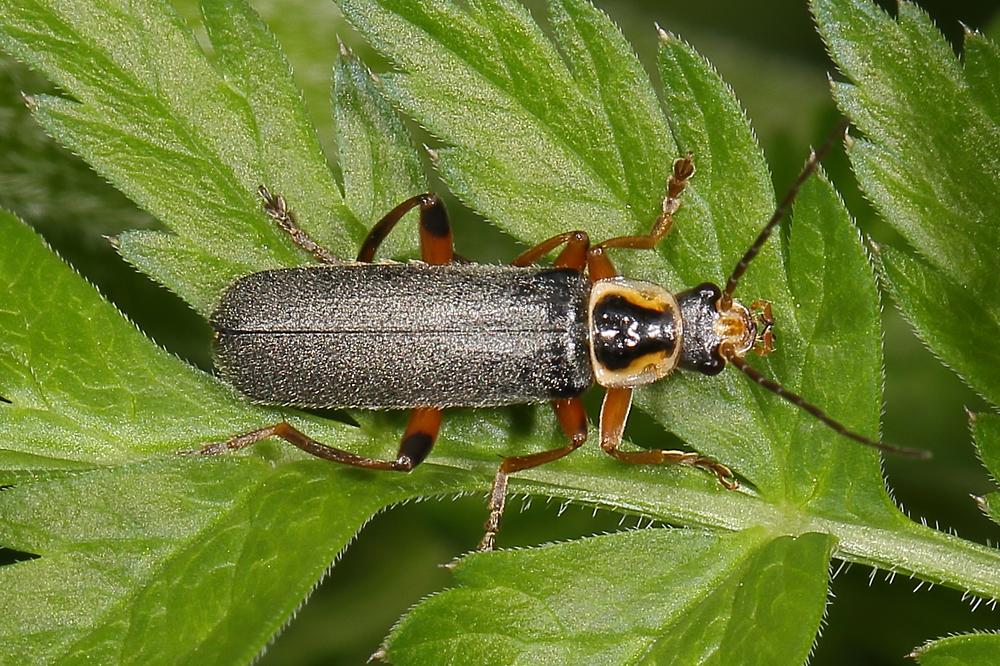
[{"x": 902, "y": 546}]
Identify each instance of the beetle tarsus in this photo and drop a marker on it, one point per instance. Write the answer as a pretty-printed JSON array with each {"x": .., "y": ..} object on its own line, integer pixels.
[
  {"x": 496, "y": 504},
  {"x": 277, "y": 209},
  {"x": 713, "y": 466}
]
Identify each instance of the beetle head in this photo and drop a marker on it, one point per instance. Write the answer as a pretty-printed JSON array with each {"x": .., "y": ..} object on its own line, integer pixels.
[{"x": 713, "y": 322}]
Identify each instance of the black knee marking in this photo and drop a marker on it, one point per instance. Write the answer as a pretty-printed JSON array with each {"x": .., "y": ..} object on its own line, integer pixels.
[
  {"x": 433, "y": 217},
  {"x": 414, "y": 448}
]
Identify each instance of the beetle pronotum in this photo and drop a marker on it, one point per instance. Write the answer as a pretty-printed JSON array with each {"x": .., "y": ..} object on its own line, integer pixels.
[{"x": 439, "y": 333}]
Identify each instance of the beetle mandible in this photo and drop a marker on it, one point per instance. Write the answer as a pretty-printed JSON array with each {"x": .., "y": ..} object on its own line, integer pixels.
[{"x": 443, "y": 333}]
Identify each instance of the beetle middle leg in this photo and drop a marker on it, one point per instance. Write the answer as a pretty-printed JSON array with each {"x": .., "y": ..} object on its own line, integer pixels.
[
  {"x": 570, "y": 413},
  {"x": 418, "y": 439},
  {"x": 573, "y": 420}
]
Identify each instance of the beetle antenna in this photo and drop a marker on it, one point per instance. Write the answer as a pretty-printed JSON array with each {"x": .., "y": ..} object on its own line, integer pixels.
[
  {"x": 730, "y": 355},
  {"x": 814, "y": 159}
]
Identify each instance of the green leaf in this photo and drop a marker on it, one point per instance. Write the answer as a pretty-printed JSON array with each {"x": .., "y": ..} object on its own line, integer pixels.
[
  {"x": 378, "y": 161},
  {"x": 187, "y": 141},
  {"x": 85, "y": 388},
  {"x": 647, "y": 596},
  {"x": 61, "y": 196},
  {"x": 930, "y": 162},
  {"x": 823, "y": 273},
  {"x": 539, "y": 135},
  {"x": 953, "y": 319},
  {"x": 965, "y": 650},
  {"x": 307, "y": 33},
  {"x": 986, "y": 434},
  {"x": 449, "y": 58}
]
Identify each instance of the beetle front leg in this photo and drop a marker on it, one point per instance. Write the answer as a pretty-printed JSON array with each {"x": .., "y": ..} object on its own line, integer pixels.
[
  {"x": 614, "y": 413},
  {"x": 573, "y": 420},
  {"x": 676, "y": 184},
  {"x": 418, "y": 440},
  {"x": 682, "y": 171}
]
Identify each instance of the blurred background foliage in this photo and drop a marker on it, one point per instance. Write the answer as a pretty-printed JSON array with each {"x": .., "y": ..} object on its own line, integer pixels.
[{"x": 771, "y": 55}]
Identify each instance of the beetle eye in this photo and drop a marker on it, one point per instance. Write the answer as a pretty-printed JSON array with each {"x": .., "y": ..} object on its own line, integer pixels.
[{"x": 714, "y": 364}]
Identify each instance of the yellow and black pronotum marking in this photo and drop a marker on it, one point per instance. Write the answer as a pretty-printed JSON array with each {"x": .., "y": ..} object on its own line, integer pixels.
[{"x": 438, "y": 334}]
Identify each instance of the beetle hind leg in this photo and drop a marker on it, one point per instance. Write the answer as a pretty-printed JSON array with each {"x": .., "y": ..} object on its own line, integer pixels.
[
  {"x": 436, "y": 243},
  {"x": 277, "y": 209},
  {"x": 418, "y": 440}
]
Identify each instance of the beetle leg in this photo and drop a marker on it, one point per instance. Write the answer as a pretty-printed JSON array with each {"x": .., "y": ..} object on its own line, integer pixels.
[
  {"x": 421, "y": 432},
  {"x": 573, "y": 420},
  {"x": 276, "y": 207},
  {"x": 614, "y": 414},
  {"x": 599, "y": 265},
  {"x": 436, "y": 245},
  {"x": 682, "y": 172},
  {"x": 574, "y": 255}
]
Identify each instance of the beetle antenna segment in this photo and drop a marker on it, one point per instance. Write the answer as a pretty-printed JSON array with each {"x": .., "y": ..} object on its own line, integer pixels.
[
  {"x": 730, "y": 355},
  {"x": 779, "y": 213}
]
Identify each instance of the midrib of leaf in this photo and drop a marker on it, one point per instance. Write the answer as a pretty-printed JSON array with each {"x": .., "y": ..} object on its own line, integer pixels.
[
  {"x": 885, "y": 539},
  {"x": 897, "y": 544}
]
